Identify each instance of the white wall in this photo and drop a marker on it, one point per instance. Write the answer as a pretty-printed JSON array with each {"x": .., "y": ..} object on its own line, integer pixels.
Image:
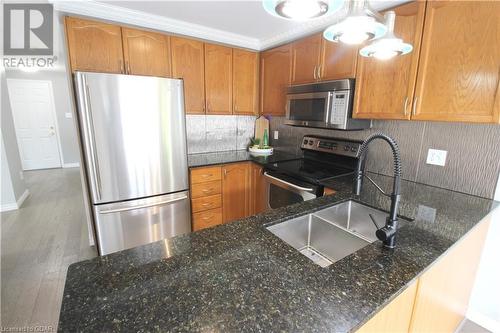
[
  {"x": 7, "y": 199},
  {"x": 62, "y": 94},
  {"x": 484, "y": 306}
]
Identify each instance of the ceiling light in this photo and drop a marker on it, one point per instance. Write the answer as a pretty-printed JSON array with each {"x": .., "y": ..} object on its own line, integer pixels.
[
  {"x": 357, "y": 27},
  {"x": 388, "y": 46},
  {"x": 301, "y": 9}
]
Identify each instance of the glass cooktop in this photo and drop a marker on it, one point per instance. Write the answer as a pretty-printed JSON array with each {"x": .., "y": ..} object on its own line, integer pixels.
[{"x": 310, "y": 170}]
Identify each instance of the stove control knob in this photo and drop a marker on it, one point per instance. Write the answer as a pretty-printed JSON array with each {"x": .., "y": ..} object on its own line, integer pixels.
[
  {"x": 354, "y": 149},
  {"x": 305, "y": 142},
  {"x": 347, "y": 148}
]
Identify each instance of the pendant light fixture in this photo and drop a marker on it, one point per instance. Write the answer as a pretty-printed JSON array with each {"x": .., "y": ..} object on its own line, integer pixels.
[
  {"x": 388, "y": 46},
  {"x": 358, "y": 26},
  {"x": 301, "y": 9}
]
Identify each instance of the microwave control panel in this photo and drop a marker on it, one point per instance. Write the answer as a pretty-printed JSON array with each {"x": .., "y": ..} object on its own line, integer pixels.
[{"x": 340, "y": 104}]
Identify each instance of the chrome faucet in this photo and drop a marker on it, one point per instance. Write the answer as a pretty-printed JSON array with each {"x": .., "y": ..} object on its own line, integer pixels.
[{"x": 386, "y": 234}]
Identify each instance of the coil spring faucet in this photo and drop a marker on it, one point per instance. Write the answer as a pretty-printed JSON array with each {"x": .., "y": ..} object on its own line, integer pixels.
[{"x": 386, "y": 234}]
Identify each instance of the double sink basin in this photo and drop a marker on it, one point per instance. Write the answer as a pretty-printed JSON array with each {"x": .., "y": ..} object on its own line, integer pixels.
[{"x": 333, "y": 233}]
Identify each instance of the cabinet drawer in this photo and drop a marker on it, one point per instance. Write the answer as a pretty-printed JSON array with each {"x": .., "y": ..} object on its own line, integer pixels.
[
  {"x": 206, "y": 189},
  {"x": 207, "y": 219},
  {"x": 202, "y": 175},
  {"x": 206, "y": 203}
]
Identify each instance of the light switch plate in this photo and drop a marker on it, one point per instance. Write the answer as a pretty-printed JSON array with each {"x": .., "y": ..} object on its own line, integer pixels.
[
  {"x": 276, "y": 135},
  {"x": 68, "y": 115},
  {"x": 436, "y": 157}
]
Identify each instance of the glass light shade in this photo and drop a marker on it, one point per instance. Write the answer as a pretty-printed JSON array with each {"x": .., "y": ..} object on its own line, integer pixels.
[
  {"x": 386, "y": 48},
  {"x": 355, "y": 30},
  {"x": 301, "y": 9}
]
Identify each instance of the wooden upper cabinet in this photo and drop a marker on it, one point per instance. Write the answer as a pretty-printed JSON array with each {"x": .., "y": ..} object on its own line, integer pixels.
[
  {"x": 146, "y": 53},
  {"x": 306, "y": 59},
  {"x": 235, "y": 191},
  {"x": 458, "y": 74},
  {"x": 245, "y": 82},
  {"x": 94, "y": 46},
  {"x": 188, "y": 64},
  {"x": 338, "y": 61},
  {"x": 384, "y": 89},
  {"x": 274, "y": 79},
  {"x": 218, "y": 79}
]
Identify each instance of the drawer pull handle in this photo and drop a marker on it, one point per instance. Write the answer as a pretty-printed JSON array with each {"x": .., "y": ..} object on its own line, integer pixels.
[
  {"x": 207, "y": 190},
  {"x": 207, "y": 175},
  {"x": 207, "y": 217},
  {"x": 207, "y": 204}
]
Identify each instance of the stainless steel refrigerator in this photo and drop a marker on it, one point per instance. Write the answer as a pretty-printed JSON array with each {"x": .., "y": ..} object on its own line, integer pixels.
[{"x": 133, "y": 135}]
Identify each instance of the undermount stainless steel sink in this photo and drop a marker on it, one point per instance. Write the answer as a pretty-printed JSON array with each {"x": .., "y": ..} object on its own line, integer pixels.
[{"x": 331, "y": 234}]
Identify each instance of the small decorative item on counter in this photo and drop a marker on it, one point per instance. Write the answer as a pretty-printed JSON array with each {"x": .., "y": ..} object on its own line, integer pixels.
[{"x": 257, "y": 149}]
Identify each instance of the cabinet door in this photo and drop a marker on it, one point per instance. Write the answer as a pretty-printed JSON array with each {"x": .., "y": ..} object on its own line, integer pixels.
[
  {"x": 257, "y": 188},
  {"x": 275, "y": 79},
  {"x": 444, "y": 289},
  {"x": 218, "y": 79},
  {"x": 188, "y": 64},
  {"x": 384, "y": 89},
  {"x": 146, "y": 53},
  {"x": 459, "y": 69},
  {"x": 94, "y": 46},
  {"x": 338, "y": 61},
  {"x": 306, "y": 59},
  {"x": 245, "y": 82},
  {"x": 235, "y": 191}
]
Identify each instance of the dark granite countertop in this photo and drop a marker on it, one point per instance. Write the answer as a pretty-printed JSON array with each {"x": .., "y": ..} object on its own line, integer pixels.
[
  {"x": 240, "y": 277},
  {"x": 206, "y": 159}
]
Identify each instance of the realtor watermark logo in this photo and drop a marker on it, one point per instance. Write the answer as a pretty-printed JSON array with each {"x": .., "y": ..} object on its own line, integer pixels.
[{"x": 28, "y": 35}]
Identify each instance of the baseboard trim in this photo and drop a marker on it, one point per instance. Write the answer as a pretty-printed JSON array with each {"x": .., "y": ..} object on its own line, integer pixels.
[
  {"x": 23, "y": 197},
  {"x": 17, "y": 204},
  {"x": 484, "y": 321},
  {"x": 8, "y": 207},
  {"x": 71, "y": 165}
]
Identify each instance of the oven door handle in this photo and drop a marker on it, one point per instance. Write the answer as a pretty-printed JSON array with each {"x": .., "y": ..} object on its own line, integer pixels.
[{"x": 299, "y": 188}]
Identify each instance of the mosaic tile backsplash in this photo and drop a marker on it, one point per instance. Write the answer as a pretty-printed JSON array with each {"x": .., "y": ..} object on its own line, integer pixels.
[{"x": 218, "y": 133}]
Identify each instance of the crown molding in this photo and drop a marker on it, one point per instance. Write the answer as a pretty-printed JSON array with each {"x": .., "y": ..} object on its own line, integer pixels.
[
  {"x": 137, "y": 18},
  {"x": 108, "y": 12}
]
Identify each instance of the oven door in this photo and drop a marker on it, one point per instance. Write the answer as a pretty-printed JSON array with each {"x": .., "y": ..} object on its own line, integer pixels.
[
  {"x": 308, "y": 109},
  {"x": 282, "y": 192}
]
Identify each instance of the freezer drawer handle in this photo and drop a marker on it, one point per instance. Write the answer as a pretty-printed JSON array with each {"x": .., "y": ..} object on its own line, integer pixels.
[
  {"x": 289, "y": 184},
  {"x": 109, "y": 211}
]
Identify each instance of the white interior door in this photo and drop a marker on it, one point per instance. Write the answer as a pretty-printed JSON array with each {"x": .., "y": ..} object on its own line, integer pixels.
[{"x": 34, "y": 116}]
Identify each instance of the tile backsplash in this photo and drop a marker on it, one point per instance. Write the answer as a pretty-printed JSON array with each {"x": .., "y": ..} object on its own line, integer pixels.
[
  {"x": 472, "y": 163},
  {"x": 218, "y": 133}
]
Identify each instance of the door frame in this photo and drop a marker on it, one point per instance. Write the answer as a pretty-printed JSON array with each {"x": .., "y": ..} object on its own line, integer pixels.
[{"x": 53, "y": 115}]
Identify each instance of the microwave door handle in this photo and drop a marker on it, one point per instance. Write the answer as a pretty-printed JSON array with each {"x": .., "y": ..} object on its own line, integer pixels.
[{"x": 329, "y": 110}]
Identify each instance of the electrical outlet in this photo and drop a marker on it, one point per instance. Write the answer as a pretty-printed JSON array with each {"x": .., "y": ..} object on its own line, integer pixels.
[
  {"x": 276, "y": 135},
  {"x": 21, "y": 175},
  {"x": 426, "y": 214},
  {"x": 68, "y": 115},
  {"x": 436, "y": 157}
]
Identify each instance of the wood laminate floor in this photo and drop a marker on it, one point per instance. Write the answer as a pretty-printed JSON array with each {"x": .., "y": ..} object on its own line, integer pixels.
[{"x": 38, "y": 243}]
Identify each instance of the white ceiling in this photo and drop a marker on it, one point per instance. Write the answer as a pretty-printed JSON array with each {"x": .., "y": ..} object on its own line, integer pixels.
[{"x": 241, "y": 23}]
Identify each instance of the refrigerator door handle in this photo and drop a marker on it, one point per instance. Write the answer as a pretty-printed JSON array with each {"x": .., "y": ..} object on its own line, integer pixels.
[
  {"x": 161, "y": 203},
  {"x": 90, "y": 142}
]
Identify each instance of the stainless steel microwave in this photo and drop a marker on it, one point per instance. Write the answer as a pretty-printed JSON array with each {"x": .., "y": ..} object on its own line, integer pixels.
[{"x": 323, "y": 105}]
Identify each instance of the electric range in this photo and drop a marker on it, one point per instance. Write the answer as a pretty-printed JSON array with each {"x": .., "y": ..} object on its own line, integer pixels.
[{"x": 301, "y": 179}]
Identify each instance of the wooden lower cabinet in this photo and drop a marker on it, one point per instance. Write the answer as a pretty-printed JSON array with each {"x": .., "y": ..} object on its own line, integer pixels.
[
  {"x": 207, "y": 219},
  {"x": 258, "y": 201},
  {"x": 438, "y": 300},
  {"x": 224, "y": 193},
  {"x": 396, "y": 316},
  {"x": 235, "y": 191},
  {"x": 444, "y": 290}
]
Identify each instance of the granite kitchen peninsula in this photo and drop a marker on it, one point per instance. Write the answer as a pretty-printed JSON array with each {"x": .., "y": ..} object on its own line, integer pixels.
[{"x": 240, "y": 277}]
